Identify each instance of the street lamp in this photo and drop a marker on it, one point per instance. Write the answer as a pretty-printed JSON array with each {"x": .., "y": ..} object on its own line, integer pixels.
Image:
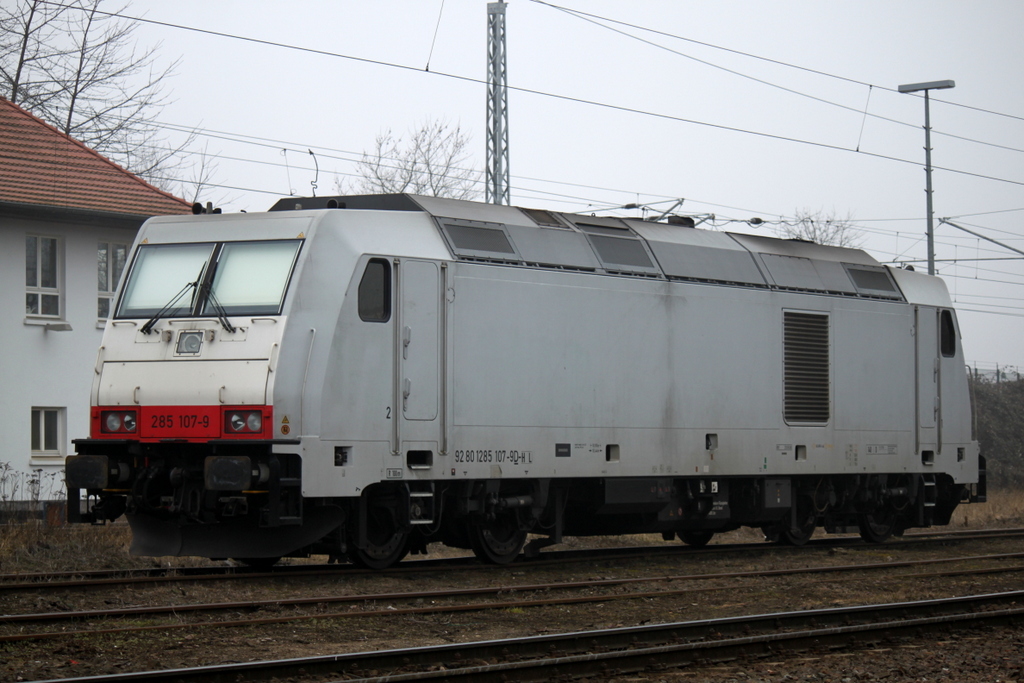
[{"x": 917, "y": 87}]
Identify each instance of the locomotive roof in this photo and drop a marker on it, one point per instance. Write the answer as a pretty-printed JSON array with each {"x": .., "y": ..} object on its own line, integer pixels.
[{"x": 630, "y": 246}]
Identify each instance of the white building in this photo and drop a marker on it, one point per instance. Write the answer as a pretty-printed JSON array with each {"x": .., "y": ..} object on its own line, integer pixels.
[{"x": 68, "y": 217}]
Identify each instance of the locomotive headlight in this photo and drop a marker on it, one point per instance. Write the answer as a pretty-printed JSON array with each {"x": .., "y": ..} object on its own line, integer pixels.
[
  {"x": 118, "y": 421},
  {"x": 243, "y": 422},
  {"x": 190, "y": 342}
]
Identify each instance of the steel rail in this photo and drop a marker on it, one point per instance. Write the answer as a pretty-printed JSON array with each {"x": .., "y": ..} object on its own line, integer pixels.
[
  {"x": 662, "y": 657},
  {"x": 615, "y": 651},
  {"x": 100, "y": 578},
  {"x": 464, "y": 592}
]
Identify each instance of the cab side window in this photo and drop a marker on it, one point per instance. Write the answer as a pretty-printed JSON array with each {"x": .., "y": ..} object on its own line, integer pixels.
[
  {"x": 947, "y": 341},
  {"x": 375, "y": 292}
]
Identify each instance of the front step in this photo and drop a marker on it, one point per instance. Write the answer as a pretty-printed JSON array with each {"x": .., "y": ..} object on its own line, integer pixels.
[
  {"x": 422, "y": 504},
  {"x": 928, "y": 497}
]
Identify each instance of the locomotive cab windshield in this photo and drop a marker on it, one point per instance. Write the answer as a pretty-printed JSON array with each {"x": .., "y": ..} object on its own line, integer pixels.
[{"x": 234, "y": 278}]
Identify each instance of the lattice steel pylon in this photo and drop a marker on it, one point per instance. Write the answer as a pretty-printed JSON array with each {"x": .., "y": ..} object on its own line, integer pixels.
[{"x": 497, "y": 177}]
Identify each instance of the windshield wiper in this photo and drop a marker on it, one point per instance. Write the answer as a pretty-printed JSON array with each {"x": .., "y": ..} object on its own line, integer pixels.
[
  {"x": 148, "y": 327},
  {"x": 222, "y": 314}
]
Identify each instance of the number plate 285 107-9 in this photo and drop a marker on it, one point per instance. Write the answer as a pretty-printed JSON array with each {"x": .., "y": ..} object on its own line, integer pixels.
[{"x": 180, "y": 422}]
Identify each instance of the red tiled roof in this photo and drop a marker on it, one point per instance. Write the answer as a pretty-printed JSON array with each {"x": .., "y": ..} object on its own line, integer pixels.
[{"x": 41, "y": 165}]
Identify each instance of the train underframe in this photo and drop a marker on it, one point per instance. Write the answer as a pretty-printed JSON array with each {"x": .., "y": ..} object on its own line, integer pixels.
[{"x": 240, "y": 500}]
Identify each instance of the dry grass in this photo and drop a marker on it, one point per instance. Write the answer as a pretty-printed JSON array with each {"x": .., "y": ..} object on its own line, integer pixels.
[
  {"x": 1005, "y": 507},
  {"x": 38, "y": 547},
  {"x": 35, "y": 546}
]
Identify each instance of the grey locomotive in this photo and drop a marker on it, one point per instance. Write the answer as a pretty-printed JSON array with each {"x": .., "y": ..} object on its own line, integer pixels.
[{"x": 362, "y": 376}]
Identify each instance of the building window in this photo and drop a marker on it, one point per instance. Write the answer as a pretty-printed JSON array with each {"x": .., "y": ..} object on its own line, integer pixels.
[
  {"x": 47, "y": 432},
  {"x": 42, "y": 276},
  {"x": 110, "y": 261}
]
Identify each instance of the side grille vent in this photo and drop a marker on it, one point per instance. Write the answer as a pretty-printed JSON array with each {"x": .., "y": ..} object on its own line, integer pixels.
[{"x": 806, "y": 367}]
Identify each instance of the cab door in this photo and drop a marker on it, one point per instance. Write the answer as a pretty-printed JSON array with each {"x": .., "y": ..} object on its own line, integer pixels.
[
  {"x": 954, "y": 405},
  {"x": 418, "y": 352},
  {"x": 928, "y": 380}
]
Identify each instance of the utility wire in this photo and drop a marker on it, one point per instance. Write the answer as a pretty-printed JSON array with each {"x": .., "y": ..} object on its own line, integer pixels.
[
  {"x": 1016, "y": 235},
  {"x": 269, "y": 143},
  {"x": 434, "y": 41},
  {"x": 593, "y": 203},
  {"x": 277, "y": 144},
  {"x": 593, "y": 18},
  {"x": 541, "y": 93},
  {"x": 298, "y": 48},
  {"x": 348, "y": 156},
  {"x": 766, "y": 59},
  {"x": 588, "y": 203}
]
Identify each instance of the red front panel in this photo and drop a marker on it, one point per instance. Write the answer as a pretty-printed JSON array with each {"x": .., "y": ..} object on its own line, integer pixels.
[
  {"x": 186, "y": 423},
  {"x": 180, "y": 422}
]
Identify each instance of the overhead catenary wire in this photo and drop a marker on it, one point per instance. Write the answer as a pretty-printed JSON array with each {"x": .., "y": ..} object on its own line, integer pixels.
[
  {"x": 590, "y": 201},
  {"x": 587, "y": 202},
  {"x": 767, "y": 59},
  {"x": 541, "y": 93},
  {"x": 592, "y": 18},
  {"x": 527, "y": 185},
  {"x": 278, "y": 144},
  {"x": 433, "y": 42},
  {"x": 455, "y": 76},
  {"x": 946, "y": 275}
]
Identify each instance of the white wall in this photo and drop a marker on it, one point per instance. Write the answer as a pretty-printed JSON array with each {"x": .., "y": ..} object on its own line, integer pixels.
[{"x": 44, "y": 368}]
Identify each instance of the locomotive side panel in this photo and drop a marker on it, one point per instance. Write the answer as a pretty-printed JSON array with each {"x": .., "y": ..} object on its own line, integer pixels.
[
  {"x": 542, "y": 359},
  {"x": 874, "y": 388},
  {"x": 874, "y": 367},
  {"x": 350, "y": 396},
  {"x": 654, "y": 368},
  {"x": 357, "y": 389}
]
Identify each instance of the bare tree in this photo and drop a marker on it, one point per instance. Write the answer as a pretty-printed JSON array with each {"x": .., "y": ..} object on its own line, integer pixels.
[
  {"x": 29, "y": 35},
  {"x": 198, "y": 180},
  {"x": 822, "y": 228},
  {"x": 76, "y": 66},
  {"x": 435, "y": 161}
]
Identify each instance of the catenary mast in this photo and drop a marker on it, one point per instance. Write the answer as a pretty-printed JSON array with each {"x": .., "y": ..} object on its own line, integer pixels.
[{"x": 497, "y": 191}]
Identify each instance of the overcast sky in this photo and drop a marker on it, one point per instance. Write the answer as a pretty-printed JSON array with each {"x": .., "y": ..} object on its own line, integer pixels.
[{"x": 745, "y": 109}]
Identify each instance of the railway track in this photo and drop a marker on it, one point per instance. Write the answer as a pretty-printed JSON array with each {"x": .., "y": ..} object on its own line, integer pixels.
[
  {"x": 157, "y": 575},
  {"x": 502, "y": 597},
  {"x": 608, "y": 652}
]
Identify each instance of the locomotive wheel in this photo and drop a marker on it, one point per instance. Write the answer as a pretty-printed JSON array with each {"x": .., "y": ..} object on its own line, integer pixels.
[
  {"x": 804, "y": 528},
  {"x": 877, "y": 527},
  {"x": 797, "y": 537},
  {"x": 386, "y": 544},
  {"x": 698, "y": 539},
  {"x": 497, "y": 541},
  {"x": 384, "y": 555}
]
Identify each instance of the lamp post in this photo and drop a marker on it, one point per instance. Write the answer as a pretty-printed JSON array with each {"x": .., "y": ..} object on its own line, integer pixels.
[{"x": 917, "y": 87}]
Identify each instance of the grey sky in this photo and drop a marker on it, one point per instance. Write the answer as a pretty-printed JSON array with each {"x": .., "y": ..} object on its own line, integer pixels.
[{"x": 574, "y": 156}]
